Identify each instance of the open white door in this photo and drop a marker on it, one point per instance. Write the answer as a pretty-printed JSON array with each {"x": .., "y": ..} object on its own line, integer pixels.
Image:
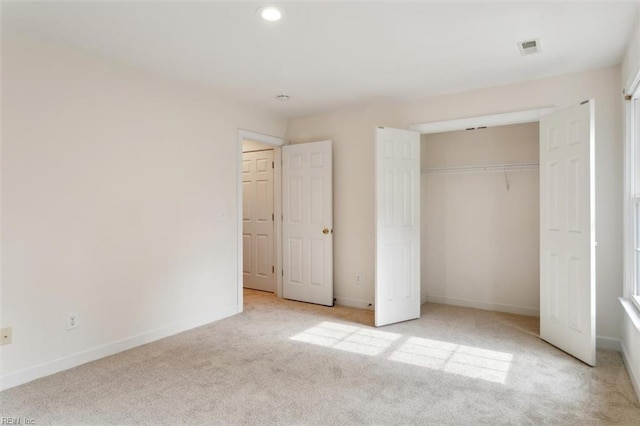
[
  {"x": 397, "y": 288},
  {"x": 307, "y": 228},
  {"x": 567, "y": 231}
]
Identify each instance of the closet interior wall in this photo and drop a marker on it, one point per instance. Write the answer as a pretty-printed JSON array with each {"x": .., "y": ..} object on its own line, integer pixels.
[{"x": 480, "y": 218}]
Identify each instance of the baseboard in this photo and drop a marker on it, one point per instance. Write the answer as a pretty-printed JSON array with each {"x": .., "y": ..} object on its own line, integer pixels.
[
  {"x": 354, "y": 303},
  {"x": 487, "y": 306},
  {"x": 608, "y": 343},
  {"x": 23, "y": 376},
  {"x": 634, "y": 376}
]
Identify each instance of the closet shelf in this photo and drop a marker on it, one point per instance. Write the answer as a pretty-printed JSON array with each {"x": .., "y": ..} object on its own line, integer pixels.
[{"x": 489, "y": 168}]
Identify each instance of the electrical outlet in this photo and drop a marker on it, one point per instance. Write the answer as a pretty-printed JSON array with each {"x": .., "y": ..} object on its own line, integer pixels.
[
  {"x": 359, "y": 279},
  {"x": 6, "y": 337},
  {"x": 72, "y": 321}
]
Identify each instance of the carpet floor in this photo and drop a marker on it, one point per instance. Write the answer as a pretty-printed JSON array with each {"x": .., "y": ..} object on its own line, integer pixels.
[{"x": 283, "y": 362}]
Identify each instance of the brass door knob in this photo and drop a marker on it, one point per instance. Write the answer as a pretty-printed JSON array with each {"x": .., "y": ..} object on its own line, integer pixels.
[{"x": 325, "y": 231}]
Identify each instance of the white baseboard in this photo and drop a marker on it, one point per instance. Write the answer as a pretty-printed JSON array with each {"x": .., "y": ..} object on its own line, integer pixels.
[
  {"x": 487, "y": 306},
  {"x": 51, "y": 367},
  {"x": 608, "y": 343},
  {"x": 633, "y": 375},
  {"x": 354, "y": 303}
]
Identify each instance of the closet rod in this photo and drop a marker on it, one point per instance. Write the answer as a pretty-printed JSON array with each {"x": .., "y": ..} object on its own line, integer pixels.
[{"x": 511, "y": 167}]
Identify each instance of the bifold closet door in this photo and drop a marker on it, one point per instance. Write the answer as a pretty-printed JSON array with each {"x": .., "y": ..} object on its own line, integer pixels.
[
  {"x": 397, "y": 275},
  {"x": 567, "y": 231}
]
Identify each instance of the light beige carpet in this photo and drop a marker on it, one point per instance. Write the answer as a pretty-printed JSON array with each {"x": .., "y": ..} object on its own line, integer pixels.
[{"x": 283, "y": 362}]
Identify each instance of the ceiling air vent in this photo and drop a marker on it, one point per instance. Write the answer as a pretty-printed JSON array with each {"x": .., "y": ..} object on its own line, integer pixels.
[{"x": 528, "y": 47}]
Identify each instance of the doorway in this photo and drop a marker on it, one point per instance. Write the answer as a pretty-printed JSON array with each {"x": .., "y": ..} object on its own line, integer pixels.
[
  {"x": 480, "y": 231},
  {"x": 309, "y": 170},
  {"x": 469, "y": 169},
  {"x": 258, "y": 217},
  {"x": 274, "y": 143}
]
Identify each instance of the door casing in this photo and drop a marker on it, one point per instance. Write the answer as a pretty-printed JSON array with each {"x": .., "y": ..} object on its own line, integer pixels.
[{"x": 489, "y": 120}]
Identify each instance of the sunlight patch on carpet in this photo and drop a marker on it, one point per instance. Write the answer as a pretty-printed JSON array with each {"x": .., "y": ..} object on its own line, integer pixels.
[
  {"x": 348, "y": 338},
  {"x": 469, "y": 361}
]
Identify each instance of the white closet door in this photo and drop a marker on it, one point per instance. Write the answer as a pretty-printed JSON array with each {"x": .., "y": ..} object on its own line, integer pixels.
[
  {"x": 397, "y": 288},
  {"x": 567, "y": 231},
  {"x": 257, "y": 221}
]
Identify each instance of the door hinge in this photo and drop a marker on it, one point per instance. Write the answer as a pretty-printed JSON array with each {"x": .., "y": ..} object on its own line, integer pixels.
[
  {"x": 273, "y": 217},
  {"x": 283, "y": 272},
  {"x": 627, "y": 97},
  {"x": 273, "y": 269},
  {"x": 273, "y": 165}
]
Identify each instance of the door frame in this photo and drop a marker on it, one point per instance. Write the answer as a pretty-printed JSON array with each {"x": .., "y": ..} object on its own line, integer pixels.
[
  {"x": 488, "y": 120},
  {"x": 277, "y": 143},
  {"x": 256, "y": 151}
]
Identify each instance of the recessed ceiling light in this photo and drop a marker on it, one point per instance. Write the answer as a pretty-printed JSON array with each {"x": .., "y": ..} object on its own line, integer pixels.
[
  {"x": 283, "y": 98},
  {"x": 269, "y": 13}
]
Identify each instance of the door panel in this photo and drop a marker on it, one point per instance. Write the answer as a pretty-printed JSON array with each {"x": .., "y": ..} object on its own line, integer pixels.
[
  {"x": 257, "y": 220},
  {"x": 567, "y": 231},
  {"x": 397, "y": 290},
  {"x": 307, "y": 211}
]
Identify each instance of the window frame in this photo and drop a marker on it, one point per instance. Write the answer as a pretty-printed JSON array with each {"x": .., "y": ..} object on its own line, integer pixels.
[
  {"x": 635, "y": 283},
  {"x": 632, "y": 195}
]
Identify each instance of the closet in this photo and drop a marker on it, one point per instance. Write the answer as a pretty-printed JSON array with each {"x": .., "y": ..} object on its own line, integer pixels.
[{"x": 480, "y": 218}]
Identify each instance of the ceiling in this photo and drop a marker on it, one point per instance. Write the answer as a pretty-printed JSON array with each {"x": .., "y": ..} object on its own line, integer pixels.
[{"x": 330, "y": 54}]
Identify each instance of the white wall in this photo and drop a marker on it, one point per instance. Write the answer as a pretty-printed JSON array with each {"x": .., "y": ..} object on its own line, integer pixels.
[
  {"x": 631, "y": 62},
  {"x": 353, "y": 132},
  {"x": 119, "y": 196},
  {"x": 516, "y": 143},
  {"x": 631, "y": 318},
  {"x": 480, "y": 238}
]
